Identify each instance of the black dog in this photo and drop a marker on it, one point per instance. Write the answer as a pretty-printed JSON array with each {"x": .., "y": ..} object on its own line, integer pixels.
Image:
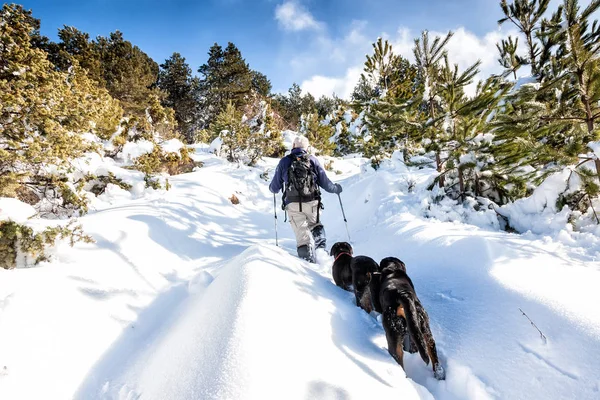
[
  {"x": 342, "y": 274},
  {"x": 402, "y": 314},
  {"x": 363, "y": 268},
  {"x": 352, "y": 273}
]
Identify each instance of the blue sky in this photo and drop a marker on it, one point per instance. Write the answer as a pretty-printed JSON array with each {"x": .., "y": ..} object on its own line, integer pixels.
[{"x": 319, "y": 44}]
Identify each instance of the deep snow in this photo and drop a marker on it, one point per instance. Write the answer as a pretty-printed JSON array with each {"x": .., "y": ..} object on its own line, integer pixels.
[{"x": 184, "y": 295}]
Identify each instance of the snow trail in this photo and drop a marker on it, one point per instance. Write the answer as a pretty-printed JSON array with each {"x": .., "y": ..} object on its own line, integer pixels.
[{"x": 184, "y": 295}]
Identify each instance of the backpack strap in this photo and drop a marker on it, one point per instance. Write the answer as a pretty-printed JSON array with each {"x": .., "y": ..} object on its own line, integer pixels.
[{"x": 283, "y": 196}]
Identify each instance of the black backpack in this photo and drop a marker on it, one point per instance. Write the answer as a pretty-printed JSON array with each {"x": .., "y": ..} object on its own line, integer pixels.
[{"x": 302, "y": 184}]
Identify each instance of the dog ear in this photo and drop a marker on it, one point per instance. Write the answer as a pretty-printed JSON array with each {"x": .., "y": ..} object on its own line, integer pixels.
[
  {"x": 332, "y": 251},
  {"x": 385, "y": 262},
  {"x": 403, "y": 266},
  {"x": 346, "y": 247}
]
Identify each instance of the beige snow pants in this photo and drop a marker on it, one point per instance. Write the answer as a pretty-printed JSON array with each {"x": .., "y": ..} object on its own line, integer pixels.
[{"x": 303, "y": 222}]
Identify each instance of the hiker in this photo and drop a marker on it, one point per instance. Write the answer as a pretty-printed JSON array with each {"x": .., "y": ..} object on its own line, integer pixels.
[{"x": 302, "y": 175}]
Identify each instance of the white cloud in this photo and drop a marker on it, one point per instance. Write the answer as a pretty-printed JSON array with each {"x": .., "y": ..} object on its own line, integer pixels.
[
  {"x": 325, "y": 53},
  {"x": 294, "y": 17},
  {"x": 403, "y": 43},
  {"x": 464, "y": 49},
  {"x": 324, "y": 50},
  {"x": 319, "y": 85}
]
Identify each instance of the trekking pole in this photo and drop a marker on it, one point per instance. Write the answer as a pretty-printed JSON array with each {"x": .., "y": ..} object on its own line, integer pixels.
[
  {"x": 275, "y": 212},
  {"x": 344, "y": 215}
]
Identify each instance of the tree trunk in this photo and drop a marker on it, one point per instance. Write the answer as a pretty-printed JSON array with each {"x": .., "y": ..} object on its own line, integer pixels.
[
  {"x": 589, "y": 120},
  {"x": 589, "y": 116},
  {"x": 476, "y": 185},
  {"x": 438, "y": 161},
  {"x": 461, "y": 184},
  {"x": 534, "y": 69},
  {"x": 431, "y": 108}
]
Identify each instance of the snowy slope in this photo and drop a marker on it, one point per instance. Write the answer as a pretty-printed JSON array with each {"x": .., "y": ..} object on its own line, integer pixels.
[
  {"x": 473, "y": 282},
  {"x": 185, "y": 296},
  {"x": 266, "y": 327}
]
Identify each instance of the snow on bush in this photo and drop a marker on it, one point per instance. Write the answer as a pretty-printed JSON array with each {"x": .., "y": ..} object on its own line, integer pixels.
[
  {"x": 133, "y": 150},
  {"x": 15, "y": 210},
  {"x": 215, "y": 146},
  {"x": 534, "y": 215},
  {"x": 288, "y": 138},
  {"x": 24, "y": 242},
  {"x": 537, "y": 213},
  {"x": 172, "y": 146}
]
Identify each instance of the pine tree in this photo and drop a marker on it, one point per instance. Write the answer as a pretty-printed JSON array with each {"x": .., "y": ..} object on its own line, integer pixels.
[
  {"x": 237, "y": 76},
  {"x": 212, "y": 100},
  {"x": 235, "y": 134},
  {"x": 344, "y": 141},
  {"x": 363, "y": 92},
  {"x": 327, "y": 105},
  {"x": 526, "y": 15},
  {"x": 468, "y": 162},
  {"x": 176, "y": 80},
  {"x": 428, "y": 58},
  {"x": 509, "y": 58},
  {"x": 379, "y": 66},
  {"x": 292, "y": 106},
  {"x": 247, "y": 140},
  {"x": 261, "y": 84},
  {"x": 579, "y": 52},
  {"x": 76, "y": 45},
  {"x": 226, "y": 77},
  {"x": 129, "y": 73},
  {"x": 42, "y": 113},
  {"x": 318, "y": 134},
  {"x": 265, "y": 139},
  {"x": 548, "y": 126}
]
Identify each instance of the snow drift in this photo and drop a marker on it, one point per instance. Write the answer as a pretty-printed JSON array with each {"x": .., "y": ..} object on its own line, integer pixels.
[{"x": 266, "y": 327}]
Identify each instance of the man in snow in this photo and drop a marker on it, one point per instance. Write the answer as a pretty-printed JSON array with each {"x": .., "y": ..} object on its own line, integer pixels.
[{"x": 300, "y": 175}]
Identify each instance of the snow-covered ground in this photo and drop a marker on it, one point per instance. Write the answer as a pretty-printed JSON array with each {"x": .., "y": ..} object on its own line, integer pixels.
[{"x": 185, "y": 296}]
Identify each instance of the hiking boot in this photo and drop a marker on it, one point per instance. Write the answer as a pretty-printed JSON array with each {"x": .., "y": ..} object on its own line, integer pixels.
[
  {"x": 306, "y": 253},
  {"x": 318, "y": 234}
]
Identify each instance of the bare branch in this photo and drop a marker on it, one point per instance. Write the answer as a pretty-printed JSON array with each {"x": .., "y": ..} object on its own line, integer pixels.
[{"x": 535, "y": 326}]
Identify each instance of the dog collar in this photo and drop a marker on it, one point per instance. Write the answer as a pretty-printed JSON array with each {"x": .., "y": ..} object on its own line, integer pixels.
[{"x": 339, "y": 255}]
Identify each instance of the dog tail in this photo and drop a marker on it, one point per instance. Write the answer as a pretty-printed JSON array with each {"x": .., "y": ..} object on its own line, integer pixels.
[{"x": 410, "y": 312}]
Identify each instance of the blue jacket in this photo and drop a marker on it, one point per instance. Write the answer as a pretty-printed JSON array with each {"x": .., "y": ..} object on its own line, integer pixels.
[{"x": 281, "y": 173}]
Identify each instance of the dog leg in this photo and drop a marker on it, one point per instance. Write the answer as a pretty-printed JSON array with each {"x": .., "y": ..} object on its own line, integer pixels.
[
  {"x": 394, "y": 331},
  {"x": 365, "y": 301},
  {"x": 438, "y": 370},
  {"x": 395, "y": 348},
  {"x": 357, "y": 298},
  {"x": 399, "y": 354}
]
